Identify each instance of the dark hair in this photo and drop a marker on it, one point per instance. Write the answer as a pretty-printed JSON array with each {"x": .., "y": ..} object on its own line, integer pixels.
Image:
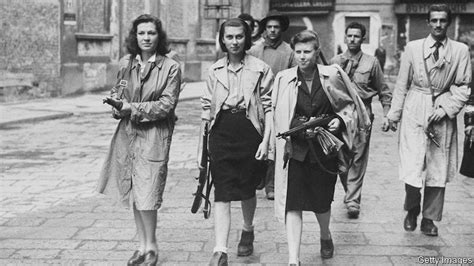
[
  {"x": 439, "y": 8},
  {"x": 236, "y": 22},
  {"x": 132, "y": 43},
  {"x": 305, "y": 37},
  {"x": 248, "y": 17},
  {"x": 356, "y": 25}
]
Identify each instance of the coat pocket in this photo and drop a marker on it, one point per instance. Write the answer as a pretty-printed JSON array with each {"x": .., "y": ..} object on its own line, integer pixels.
[{"x": 157, "y": 144}]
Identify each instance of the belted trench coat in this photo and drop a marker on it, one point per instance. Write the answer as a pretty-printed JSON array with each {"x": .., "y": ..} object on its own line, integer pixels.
[
  {"x": 345, "y": 102},
  {"x": 420, "y": 159},
  {"x": 136, "y": 165}
]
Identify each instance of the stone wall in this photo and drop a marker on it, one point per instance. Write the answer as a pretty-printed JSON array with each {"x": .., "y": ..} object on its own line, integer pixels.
[{"x": 30, "y": 46}]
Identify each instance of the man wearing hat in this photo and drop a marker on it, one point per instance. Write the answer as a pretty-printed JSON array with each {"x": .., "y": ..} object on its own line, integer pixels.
[{"x": 279, "y": 56}]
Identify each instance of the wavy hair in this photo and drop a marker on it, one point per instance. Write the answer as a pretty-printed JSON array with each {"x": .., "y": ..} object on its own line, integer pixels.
[
  {"x": 305, "y": 36},
  {"x": 132, "y": 43},
  {"x": 439, "y": 8}
]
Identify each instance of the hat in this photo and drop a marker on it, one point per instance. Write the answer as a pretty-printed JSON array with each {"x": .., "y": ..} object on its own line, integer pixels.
[{"x": 274, "y": 14}]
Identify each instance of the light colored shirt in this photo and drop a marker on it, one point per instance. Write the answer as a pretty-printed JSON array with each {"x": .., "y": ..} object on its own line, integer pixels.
[
  {"x": 142, "y": 65},
  {"x": 236, "y": 95}
]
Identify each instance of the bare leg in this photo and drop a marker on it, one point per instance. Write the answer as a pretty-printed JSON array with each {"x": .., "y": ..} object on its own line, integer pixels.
[
  {"x": 149, "y": 220},
  {"x": 248, "y": 212},
  {"x": 140, "y": 229},
  {"x": 323, "y": 220},
  {"x": 294, "y": 228},
  {"x": 222, "y": 223}
]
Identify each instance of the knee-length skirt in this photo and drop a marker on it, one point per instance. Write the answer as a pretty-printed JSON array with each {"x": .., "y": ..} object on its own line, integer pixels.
[{"x": 233, "y": 142}]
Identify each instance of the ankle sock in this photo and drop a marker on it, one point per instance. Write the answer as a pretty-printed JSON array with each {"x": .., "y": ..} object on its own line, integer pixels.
[
  {"x": 220, "y": 249},
  {"x": 247, "y": 228}
]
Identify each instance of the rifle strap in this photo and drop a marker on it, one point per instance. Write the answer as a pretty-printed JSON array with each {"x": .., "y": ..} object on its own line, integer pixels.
[{"x": 318, "y": 162}]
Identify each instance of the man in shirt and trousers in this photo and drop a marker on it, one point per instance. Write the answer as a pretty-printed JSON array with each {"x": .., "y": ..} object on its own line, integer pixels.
[
  {"x": 431, "y": 89},
  {"x": 366, "y": 74},
  {"x": 279, "y": 56}
]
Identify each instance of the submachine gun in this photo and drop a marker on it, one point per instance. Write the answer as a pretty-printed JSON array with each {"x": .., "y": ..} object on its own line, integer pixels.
[
  {"x": 319, "y": 121},
  {"x": 204, "y": 179}
]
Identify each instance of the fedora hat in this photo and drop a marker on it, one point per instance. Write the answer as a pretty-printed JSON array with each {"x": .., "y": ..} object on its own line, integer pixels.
[{"x": 274, "y": 14}]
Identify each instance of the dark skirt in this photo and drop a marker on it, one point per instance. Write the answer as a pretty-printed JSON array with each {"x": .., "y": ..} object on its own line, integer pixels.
[
  {"x": 309, "y": 187},
  {"x": 233, "y": 142},
  {"x": 467, "y": 164}
]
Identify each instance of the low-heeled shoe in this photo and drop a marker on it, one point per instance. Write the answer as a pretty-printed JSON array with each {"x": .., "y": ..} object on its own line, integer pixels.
[
  {"x": 218, "y": 259},
  {"x": 327, "y": 248},
  {"x": 428, "y": 228},
  {"x": 136, "y": 259},
  {"x": 151, "y": 258},
  {"x": 245, "y": 247},
  {"x": 410, "y": 221}
]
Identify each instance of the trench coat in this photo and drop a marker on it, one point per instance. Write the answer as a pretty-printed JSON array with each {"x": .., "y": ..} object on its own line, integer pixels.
[
  {"x": 345, "y": 102},
  {"x": 136, "y": 165},
  {"x": 412, "y": 104}
]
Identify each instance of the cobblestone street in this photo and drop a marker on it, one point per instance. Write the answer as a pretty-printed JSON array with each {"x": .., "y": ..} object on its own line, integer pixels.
[{"x": 50, "y": 214}]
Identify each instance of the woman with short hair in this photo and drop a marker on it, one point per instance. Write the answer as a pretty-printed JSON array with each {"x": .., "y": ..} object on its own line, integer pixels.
[{"x": 305, "y": 175}]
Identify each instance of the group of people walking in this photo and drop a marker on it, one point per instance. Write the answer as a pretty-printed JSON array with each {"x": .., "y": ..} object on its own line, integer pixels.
[{"x": 264, "y": 87}]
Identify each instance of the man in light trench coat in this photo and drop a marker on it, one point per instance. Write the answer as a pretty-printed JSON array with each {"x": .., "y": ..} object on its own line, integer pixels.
[{"x": 431, "y": 89}]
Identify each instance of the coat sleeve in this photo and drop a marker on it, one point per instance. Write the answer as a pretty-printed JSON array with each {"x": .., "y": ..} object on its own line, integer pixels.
[
  {"x": 163, "y": 107},
  {"x": 274, "y": 102},
  {"x": 453, "y": 101},
  {"x": 384, "y": 92},
  {"x": 404, "y": 79},
  {"x": 206, "y": 98},
  {"x": 266, "y": 90}
]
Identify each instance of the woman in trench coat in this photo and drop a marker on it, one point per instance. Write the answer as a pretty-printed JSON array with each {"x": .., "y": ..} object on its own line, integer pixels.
[
  {"x": 144, "y": 101},
  {"x": 305, "y": 177}
]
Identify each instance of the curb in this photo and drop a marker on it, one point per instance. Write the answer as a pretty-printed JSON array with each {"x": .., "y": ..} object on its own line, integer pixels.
[
  {"x": 36, "y": 119},
  {"x": 60, "y": 115}
]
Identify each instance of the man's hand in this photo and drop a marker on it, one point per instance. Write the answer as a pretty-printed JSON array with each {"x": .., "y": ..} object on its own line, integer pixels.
[
  {"x": 437, "y": 115},
  {"x": 385, "y": 124},
  {"x": 334, "y": 125},
  {"x": 393, "y": 125}
]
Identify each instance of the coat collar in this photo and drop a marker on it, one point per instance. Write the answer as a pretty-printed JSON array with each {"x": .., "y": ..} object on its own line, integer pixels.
[
  {"x": 428, "y": 50},
  {"x": 323, "y": 72},
  {"x": 156, "y": 59},
  {"x": 220, "y": 69}
]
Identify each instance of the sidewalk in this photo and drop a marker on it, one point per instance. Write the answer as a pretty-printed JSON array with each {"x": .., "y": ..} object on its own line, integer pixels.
[{"x": 55, "y": 108}]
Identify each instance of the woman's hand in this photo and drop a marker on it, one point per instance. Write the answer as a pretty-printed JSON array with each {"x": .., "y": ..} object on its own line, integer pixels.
[
  {"x": 469, "y": 131},
  {"x": 262, "y": 151},
  {"x": 393, "y": 125},
  {"x": 334, "y": 125}
]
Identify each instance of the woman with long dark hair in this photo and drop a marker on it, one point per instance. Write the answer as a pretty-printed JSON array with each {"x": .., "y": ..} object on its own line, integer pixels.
[{"x": 144, "y": 100}]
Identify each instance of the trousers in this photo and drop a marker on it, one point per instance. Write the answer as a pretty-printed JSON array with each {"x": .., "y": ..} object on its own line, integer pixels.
[
  {"x": 352, "y": 180},
  {"x": 433, "y": 201}
]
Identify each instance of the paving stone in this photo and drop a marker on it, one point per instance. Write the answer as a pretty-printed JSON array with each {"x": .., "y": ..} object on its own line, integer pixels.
[
  {"x": 6, "y": 252},
  {"x": 38, "y": 243},
  {"x": 36, "y": 254},
  {"x": 37, "y": 233},
  {"x": 106, "y": 234},
  {"x": 97, "y": 245}
]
